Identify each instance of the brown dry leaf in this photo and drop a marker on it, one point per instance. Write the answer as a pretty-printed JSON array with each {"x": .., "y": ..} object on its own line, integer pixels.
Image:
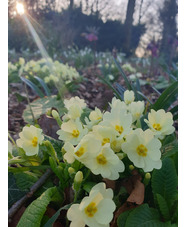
[
  {"x": 49, "y": 125},
  {"x": 137, "y": 194},
  {"x": 110, "y": 183}
]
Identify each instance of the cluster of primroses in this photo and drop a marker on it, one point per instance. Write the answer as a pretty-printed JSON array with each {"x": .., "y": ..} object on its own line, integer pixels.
[
  {"x": 60, "y": 70},
  {"x": 100, "y": 144}
]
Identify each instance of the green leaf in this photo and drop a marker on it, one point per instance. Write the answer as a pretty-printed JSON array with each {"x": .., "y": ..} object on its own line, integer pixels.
[
  {"x": 144, "y": 216},
  {"x": 110, "y": 85},
  {"x": 167, "y": 97},
  {"x": 165, "y": 181},
  {"x": 43, "y": 84},
  {"x": 34, "y": 213},
  {"x": 121, "y": 221},
  {"x": 123, "y": 75},
  {"x": 23, "y": 169},
  {"x": 33, "y": 87},
  {"x": 42, "y": 106},
  {"x": 87, "y": 186},
  {"x": 56, "y": 144},
  {"x": 163, "y": 207},
  {"x": 51, "y": 221},
  {"x": 14, "y": 193},
  {"x": 25, "y": 180}
]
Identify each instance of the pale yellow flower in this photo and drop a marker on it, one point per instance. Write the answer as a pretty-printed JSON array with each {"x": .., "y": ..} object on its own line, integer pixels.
[
  {"x": 129, "y": 96},
  {"x": 74, "y": 101},
  {"x": 95, "y": 210},
  {"x": 72, "y": 131},
  {"x": 106, "y": 163},
  {"x": 143, "y": 149},
  {"x": 118, "y": 120},
  {"x": 136, "y": 109},
  {"x": 30, "y": 138},
  {"x": 160, "y": 123}
]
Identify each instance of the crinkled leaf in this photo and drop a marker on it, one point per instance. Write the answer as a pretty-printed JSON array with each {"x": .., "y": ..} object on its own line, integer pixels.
[
  {"x": 163, "y": 207},
  {"x": 14, "y": 193},
  {"x": 165, "y": 181},
  {"x": 34, "y": 213},
  {"x": 25, "y": 180},
  {"x": 42, "y": 106},
  {"x": 144, "y": 216}
]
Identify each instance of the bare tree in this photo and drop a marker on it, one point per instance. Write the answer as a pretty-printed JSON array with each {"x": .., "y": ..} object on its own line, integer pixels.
[{"x": 128, "y": 25}]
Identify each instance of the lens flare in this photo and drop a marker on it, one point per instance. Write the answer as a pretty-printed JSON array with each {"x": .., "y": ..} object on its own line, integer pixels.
[{"x": 20, "y": 8}]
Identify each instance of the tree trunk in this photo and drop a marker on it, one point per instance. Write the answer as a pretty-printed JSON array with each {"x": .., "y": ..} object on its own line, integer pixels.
[
  {"x": 169, "y": 35},
  {"x": 71, "y": 4},
  {"x": 128, "y": 25}
]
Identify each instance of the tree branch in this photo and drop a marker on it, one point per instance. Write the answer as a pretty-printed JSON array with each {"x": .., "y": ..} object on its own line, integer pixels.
[{"x": 15, "y": 207}]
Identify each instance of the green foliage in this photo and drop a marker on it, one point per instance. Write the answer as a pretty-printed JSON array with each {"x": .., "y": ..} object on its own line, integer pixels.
[
  {"x": 14, "y": 193},
  {"x": 43, "y": 84},
  {"x": 57, "y": 145},
  {"x": 165, "y": 181},
  {"x": 51, "y": 221},
  {"x": 33, "y": 87},
  {"x": 25, "y": 180},
  {"x": 42, "y": 106},
  {"x": 142, "y": 216},
  {"x": 163, "y": 207},
  {"x": 34, "y": 213},
  {"x": 167, "y": 97}
]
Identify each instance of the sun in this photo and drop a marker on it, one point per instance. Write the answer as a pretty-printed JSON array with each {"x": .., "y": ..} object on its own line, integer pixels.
[{"x": 20, "y": 8}]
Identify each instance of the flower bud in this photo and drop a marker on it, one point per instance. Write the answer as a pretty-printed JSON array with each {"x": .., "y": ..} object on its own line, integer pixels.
[
  {"x": 147, "y": 176},
  {"x": 71, "y": 170},
  {"x": 120, "y": 155},
  {"x": 131, "y": 167},
  {"x": 78, "y": 177},
  {"x": 55, "y": 114},
  {"x": 128, "y": 96}
]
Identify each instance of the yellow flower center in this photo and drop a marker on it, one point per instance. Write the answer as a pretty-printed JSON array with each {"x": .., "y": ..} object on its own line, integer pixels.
[
  {"x": 80, "y": 152},
  {"x": 101, "y": 159},
  {"x": 138, "y": 115},
  {"x": 157, "y": 127},
  {"x": 142, "y": 150},
  {"x": 91, "y": 209},
  {"x": 75, "y": 133},
  {"x": 119, "y": 129},
  {"x": 105, "y": 140},
  {"x": 34, "y": 141}
]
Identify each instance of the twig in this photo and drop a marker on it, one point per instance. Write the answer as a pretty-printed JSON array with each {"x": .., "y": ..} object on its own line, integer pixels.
[{"x": 15, "y": 207}]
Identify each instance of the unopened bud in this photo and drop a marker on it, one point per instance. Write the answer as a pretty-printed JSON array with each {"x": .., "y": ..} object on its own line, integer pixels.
[
  {"x": 147, "y": 176},
  {"x": 71, "y": 170},
  {"x": 120, "y": 155},
  {"x": 78, "y": 177},
  {"x": 131, "y": 167},
  {"x": 55, "y": 114}
]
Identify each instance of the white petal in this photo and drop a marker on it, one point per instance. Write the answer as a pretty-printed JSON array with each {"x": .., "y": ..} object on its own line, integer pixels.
[{"x": 105, "y": 211}]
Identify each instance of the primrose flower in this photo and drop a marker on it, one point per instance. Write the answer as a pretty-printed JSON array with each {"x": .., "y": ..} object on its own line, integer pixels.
[
  {"x": 88, "y": 147},
  {"x": 74, "y": 101},
  {"x": 160, "y": 123},
  {"x": 143, "y": 149},
  {"x": 118, "y": 120},
  {"x": 95, "y": 115},
  {"x": 30, "y": 138},
  {"x": 129, "y": 96},
  {"x": 95, "y": 210},
  {"x": 136, "y": 109},
  {"x": 106, "y": 163},
  {"x": 72, "y": 131},
  {"x": 117, "y": 103}
]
